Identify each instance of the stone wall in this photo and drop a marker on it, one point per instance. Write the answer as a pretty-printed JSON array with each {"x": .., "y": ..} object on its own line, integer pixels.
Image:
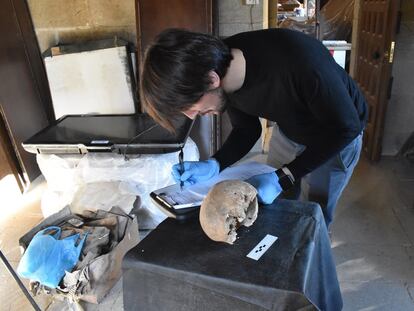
[
  {"x": 235, "y": 17},
  {"x": 62, "y": 21},
  {"x": 399, "y": 123}
]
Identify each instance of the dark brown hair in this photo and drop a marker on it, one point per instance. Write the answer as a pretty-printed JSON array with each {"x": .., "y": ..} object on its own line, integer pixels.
[{"x": 175, "y": 72}]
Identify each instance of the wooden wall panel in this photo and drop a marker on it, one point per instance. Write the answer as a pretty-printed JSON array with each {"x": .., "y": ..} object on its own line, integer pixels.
[
  {"x": 23, "y": 88},
  {"x": 153, "y": 16}
]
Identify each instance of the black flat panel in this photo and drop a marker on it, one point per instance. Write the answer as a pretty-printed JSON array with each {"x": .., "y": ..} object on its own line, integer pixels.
[{"x": 113, "y": 130}]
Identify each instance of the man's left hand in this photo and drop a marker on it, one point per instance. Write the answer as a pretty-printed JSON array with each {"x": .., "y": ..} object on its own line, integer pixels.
[{"x": 267, "y": 186}]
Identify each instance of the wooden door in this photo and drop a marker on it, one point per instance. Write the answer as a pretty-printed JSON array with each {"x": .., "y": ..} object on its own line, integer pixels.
[
  {"x": 25, "y": 100},
  {"x": 153, "y": 16},
  {"x": 376, "y": 41},
  {"x": 9, "y": 164}
]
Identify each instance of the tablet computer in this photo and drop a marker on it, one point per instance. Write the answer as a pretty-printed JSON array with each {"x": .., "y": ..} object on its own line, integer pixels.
[
  {"x": 183, "y": 203},
  {"x": 177, "y": 203}
]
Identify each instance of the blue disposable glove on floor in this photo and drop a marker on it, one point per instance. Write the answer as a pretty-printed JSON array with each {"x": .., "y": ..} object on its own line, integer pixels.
[
  {"x": 47, "y": 257},
  {"x": 267, "y": 186},
  {"x": 195, "y": 171}
]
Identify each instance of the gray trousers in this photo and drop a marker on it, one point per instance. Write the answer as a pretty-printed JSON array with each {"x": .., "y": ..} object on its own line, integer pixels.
[{"x": 323, "y": 185}]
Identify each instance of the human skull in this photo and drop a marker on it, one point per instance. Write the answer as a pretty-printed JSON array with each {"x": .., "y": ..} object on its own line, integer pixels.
[{"x": 227, "y": 206}]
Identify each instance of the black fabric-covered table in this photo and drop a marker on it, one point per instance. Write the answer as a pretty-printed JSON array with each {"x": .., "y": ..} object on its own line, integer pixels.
[{"x": 177, "y": 267}]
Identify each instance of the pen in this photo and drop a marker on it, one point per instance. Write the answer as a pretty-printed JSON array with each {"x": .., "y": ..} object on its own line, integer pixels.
[{"x": 180, "y": 159}]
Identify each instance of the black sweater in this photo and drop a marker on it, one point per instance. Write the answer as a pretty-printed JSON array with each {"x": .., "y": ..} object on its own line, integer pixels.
[{"x": 292, "y": 79}]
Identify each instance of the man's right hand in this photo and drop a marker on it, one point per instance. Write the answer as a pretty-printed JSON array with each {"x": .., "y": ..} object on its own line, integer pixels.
[{"x": 195, "y": 171}]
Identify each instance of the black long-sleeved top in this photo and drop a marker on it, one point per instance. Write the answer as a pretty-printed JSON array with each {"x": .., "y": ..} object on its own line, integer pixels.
[{"x": 292, "y": 79}]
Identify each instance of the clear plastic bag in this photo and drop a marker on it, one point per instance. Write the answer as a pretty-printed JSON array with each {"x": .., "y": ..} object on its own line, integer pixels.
[
  {"x": 335, "y": 21},
  {"x": 103, "y": 196},
  {"x": 84, "y": 180},
  {"x": 60, "y": 171}
]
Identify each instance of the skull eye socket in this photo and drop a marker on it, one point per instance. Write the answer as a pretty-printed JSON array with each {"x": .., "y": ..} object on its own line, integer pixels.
[
  {"x": 234, "y": 223},
  {"x": 251, "y": 213}
]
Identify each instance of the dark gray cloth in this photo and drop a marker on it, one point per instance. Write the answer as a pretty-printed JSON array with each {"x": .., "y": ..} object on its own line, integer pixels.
[{"x": 177, "y": 267}]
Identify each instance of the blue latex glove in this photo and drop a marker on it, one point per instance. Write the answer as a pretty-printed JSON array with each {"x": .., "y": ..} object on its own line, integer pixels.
[
  {"x": 47, "y": 258},
  {"x": 267, "y": 186},
  {"x": 195, "y": 171}
]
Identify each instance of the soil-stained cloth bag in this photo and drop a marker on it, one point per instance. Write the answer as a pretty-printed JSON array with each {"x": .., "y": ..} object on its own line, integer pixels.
[
  {"x": 48, "y": 257},
  {"x": 110, "y": 235}
]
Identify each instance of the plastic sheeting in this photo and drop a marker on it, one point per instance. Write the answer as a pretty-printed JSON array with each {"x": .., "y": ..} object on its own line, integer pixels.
[
  {"x": 335, "y": 21},
  {"x": 102, "y": 180},
  {"x": 103, "y": 196}
]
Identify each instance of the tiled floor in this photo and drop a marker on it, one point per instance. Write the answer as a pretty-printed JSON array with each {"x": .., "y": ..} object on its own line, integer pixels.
[
  {"x": 373, "y": 237},
  {"x": 18, "y": 214},
  {"x": 373, "y": 241}
]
